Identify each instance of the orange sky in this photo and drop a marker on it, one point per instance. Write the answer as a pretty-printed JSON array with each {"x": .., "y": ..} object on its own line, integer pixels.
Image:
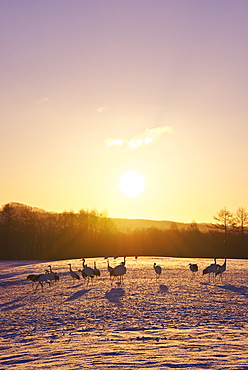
[{"x": 167, "y": 79}]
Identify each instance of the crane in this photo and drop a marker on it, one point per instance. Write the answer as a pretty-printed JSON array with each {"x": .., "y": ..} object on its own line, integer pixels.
[
  {"x": 193, "y": 268},
  {"x": 73, "y": 274},
  {"x": 221, "y": 269},
  {"x": 158, "y": 269}
]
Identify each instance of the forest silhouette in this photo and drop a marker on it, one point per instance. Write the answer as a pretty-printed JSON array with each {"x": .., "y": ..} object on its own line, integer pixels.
[{"x": 32, "y": 233}]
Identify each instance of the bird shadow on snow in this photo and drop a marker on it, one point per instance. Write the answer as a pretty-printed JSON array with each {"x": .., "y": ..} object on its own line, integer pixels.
[
  {"x": 163, "y": 288},
  {"x": 77, "y": 295},
  {"x": 243, "y": 290},
  {"x": 240, "y": 290},
  {"x": 114, "y": 295},
  {"x": 6, "y": 276},
  {"x": 7, "y": 283},
  {"x": 74, "y": 286},
  {"x": 12, "y": 305}
]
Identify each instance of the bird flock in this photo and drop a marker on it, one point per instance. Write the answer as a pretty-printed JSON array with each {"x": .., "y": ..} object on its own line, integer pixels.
[
  {"x": 48, "y": 277},
  {"x": 116, "y": 273},
  {"x": 214, "y": 270}
]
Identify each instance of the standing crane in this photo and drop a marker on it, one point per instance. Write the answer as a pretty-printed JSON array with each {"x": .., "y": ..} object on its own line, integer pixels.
[
  {"x": 221, "y": 269},
  {"x": 211, "y": 270},
  {"x": 120, "y": 270},
  {"x": 42, "y": 278},
  {"x": 33, "y": 278},
  {"x": 193, "y": 268},
  {"x": 73, "y": 274},
  {"x": 87, "y": 270},
  {"x": 110, "y": 270},
  {"x": 56, "y": 276},
  {"x": 158, "y": 269},
  {"x": 96, "y": 271}
]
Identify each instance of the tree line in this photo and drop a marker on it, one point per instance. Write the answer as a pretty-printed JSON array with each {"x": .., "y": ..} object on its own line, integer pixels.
[{"x": 31, "y": 233}]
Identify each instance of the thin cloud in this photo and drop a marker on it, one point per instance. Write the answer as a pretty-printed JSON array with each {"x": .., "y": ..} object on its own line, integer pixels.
[
  {"x": 101, "y": 109},
  {"x": 43, "y": 100},
  {"x": 112, "y": 142},
  {"x": 147, "y": 137}
]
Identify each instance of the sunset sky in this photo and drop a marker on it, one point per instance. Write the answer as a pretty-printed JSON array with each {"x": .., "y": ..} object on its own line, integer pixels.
[{"x": 93, "y": 89}]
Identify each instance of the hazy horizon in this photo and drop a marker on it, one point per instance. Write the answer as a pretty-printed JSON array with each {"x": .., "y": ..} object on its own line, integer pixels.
[{"x": 104, "y": 211}]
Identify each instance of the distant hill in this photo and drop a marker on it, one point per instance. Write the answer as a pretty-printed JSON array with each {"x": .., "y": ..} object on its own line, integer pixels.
[
  {"x": 123, "y": 224},
  {"x": 126, "y": 224}
]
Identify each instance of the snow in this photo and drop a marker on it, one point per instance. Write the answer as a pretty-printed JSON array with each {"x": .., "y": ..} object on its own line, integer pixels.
[{"x": 173, "y": 322}]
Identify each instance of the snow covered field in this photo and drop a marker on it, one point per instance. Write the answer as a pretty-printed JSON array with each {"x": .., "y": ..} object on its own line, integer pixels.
[{"x": 174, "y": 322}]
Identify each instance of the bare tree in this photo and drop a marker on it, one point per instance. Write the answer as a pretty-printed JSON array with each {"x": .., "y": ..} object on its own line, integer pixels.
[
  {"x": 225, "y": 221},
  {"x": 8, "y": 219},
  {"x": 241, "y": 220}
]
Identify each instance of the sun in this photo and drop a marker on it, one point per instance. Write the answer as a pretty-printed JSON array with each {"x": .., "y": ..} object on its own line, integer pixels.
[{"x": 131, "y": 184}]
